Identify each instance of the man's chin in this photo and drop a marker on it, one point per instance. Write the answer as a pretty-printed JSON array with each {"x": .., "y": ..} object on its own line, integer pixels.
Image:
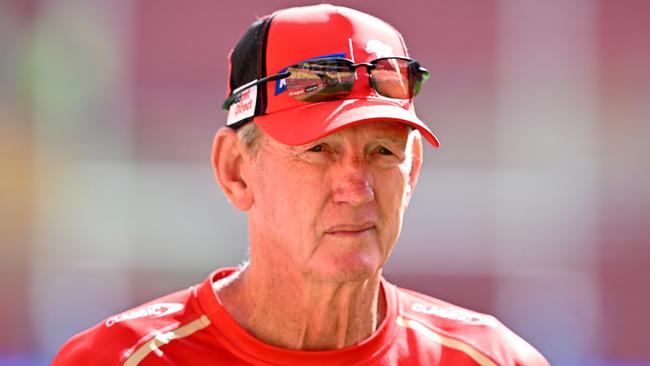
[{"x": 354, "y": 267}]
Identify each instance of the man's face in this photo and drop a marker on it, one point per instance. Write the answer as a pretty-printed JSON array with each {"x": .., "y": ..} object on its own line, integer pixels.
[{"x": 332, "y": 209}]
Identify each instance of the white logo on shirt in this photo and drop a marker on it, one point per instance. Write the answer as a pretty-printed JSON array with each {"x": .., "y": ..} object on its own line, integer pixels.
[
  {"x": 455, "y": 314},
  {"x": 155, "y": 310}
]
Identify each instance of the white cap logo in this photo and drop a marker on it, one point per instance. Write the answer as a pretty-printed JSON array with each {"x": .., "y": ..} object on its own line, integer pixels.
[
  {"x": 379, "y": 48},
  {"x": 244, "y": 107}
]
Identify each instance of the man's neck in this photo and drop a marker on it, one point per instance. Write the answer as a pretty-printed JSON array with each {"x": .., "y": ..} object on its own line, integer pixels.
[{"x": 294, "y": 313}]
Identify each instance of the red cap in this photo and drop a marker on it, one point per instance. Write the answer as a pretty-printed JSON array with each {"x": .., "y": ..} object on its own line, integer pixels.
[{"x": 297, "y": 34}]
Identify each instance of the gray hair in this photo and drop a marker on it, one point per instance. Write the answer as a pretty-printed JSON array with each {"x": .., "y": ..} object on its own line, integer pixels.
[{"x": 250, "y": 135}]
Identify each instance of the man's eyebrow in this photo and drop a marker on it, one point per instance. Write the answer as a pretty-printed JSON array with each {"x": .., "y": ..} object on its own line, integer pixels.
[
  {"x": 311, "y": 143},
  {"x": 391, "y": 139},
  {"x": 383, "y": 138},
  {"x": 297, "y": 148}
]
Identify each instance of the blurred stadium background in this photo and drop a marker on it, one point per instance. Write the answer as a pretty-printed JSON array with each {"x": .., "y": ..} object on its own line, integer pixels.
[{"x": 536, "y": 209}]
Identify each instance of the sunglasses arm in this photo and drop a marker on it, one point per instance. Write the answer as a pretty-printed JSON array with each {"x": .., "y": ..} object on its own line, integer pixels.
[{"x": 235, "y": 95}]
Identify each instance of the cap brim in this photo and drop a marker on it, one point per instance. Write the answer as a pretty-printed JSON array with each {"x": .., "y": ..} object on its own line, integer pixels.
[{"x": 303, "y": 124}]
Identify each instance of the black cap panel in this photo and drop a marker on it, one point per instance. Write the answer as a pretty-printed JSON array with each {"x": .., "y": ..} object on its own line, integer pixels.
[{"x": 248, "y": 61}]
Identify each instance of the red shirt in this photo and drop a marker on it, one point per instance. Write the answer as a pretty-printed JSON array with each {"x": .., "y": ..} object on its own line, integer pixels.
[{"x": 191, "y": 327}]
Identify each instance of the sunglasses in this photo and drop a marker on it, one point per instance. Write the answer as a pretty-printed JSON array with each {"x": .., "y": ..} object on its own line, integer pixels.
[{"x": 324, "y": 79}]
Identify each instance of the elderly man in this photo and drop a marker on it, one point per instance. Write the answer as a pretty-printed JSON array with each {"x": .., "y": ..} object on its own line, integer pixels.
[{"x": 322, "y": 150}]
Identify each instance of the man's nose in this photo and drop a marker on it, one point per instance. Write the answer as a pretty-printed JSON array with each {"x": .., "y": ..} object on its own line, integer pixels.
[{"x": 353, "y": 183}]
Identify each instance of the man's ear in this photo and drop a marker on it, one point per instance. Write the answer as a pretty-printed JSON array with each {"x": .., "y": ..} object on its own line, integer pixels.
[
  {"x": 416, "y": 165},
  {"x": 228, "y": 163}
]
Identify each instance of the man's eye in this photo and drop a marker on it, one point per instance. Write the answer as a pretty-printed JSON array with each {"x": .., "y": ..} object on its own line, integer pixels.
[
  {"x": 317, "y": 148},
  {"x": 384, "y": 151}
]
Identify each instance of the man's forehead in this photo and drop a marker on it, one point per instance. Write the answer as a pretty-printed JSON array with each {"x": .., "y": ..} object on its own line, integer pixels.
[
  {"x": 374, "y": 131},
  {"x": 384, "y": 130}
]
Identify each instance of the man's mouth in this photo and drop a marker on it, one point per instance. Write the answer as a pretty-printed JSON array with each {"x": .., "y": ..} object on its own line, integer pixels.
[{"x": 351, "y": 229}]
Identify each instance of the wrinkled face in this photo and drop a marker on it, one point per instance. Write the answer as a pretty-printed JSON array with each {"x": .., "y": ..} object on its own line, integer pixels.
[{"x": 331, "y": 209}]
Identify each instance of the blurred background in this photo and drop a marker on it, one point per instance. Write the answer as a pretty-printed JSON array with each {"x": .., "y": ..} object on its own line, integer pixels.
[{"x": 535, "y": 209}]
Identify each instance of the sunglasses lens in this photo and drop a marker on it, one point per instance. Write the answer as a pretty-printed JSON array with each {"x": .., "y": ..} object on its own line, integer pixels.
[
  {"x": 320, "y": 80},
  {"x": 390, "y": 78},
  {"x": 398, "y": 78}
]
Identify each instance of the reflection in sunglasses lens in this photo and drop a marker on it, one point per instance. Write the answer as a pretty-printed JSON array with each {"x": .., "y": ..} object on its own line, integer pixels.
[
  {"x": 319, "y": 80},
  {"x": 328, "y": 79},
  {"x": 390, "y": 78}
]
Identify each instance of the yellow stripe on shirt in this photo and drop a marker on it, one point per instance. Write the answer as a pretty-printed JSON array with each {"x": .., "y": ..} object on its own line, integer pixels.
[{"x": 156, "y": 342}]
